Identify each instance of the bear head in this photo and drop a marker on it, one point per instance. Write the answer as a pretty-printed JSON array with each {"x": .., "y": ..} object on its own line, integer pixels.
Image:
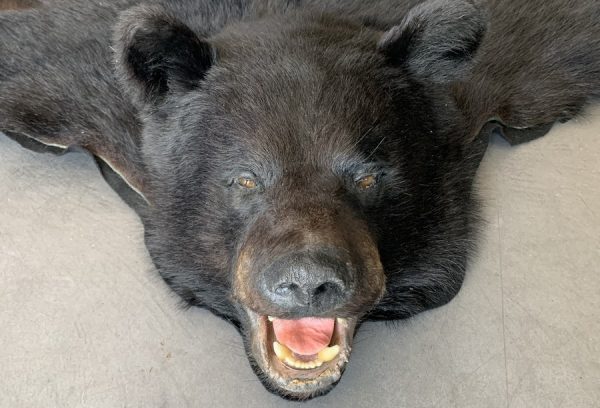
[{"x": 306, "y": 171}]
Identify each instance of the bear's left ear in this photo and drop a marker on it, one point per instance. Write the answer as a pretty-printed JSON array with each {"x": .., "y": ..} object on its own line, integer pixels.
[
  {"x": 157, "y": 54},
  {"x": 437, "y": 40}
]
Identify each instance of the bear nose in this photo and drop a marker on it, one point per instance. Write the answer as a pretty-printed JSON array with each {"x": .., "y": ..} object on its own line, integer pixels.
[{"x": 307, "y": 284}]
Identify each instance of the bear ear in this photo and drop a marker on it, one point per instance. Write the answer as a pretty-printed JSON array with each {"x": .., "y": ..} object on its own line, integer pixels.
[
  {"x": 437, "y": 40},
  {"x": 157, "y": 54}
]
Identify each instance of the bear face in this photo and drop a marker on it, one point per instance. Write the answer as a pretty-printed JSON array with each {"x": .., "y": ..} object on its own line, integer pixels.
[{"x": 302, "y": 176}]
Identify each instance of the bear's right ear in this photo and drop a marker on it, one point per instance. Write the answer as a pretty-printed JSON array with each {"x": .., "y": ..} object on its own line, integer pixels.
[
  {"x": 437, "y": 40},
  {"x": 157, "y": 54}
]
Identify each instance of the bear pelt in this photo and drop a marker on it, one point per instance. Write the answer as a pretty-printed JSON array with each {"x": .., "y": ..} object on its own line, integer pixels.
[{"x": 300, "y": 166}]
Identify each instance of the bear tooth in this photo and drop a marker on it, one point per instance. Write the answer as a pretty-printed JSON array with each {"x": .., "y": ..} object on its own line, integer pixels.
[
  {"x": 302, "y": 365},
  {"x": 287, "y": 356},
  {"x": 329, "y": 353},
  {"x": 281, "y": 351},
  {"x": 271, "y": 318},
  {"x": 314, "y": 364},
  {"x": 292, "y": 362}
]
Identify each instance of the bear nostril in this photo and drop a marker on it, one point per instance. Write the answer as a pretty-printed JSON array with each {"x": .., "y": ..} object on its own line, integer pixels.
[{"x": 327, "y": 288}]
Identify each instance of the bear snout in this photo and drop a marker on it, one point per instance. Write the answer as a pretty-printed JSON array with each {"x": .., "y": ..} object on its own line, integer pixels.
[{"x": 308, "y": 283}]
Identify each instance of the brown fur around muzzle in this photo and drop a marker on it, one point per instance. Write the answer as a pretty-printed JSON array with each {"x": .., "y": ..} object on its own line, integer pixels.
[
  {"x": 19, "y": 4},
  {"x": 317, "y": 246}
]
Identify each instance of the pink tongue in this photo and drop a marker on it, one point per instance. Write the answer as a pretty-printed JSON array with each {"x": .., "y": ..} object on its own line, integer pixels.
[{"x": 305, "y": 336}]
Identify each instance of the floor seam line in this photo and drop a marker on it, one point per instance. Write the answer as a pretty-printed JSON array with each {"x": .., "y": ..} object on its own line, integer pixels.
[{"x": 500, "y": 265}]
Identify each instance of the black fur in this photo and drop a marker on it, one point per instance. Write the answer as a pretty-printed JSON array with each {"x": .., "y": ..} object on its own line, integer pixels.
[
  {"x": 439, "y": 41},
  {"x": 159, "y": 54},
  {"x": 305, "y": 96}
]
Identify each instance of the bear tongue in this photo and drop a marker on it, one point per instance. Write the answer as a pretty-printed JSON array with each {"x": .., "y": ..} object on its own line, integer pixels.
[{"x": 305, "y": 336}]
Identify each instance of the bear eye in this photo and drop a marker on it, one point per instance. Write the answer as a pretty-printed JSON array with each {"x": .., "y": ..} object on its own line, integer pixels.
[
  {"x": 247, "y": 182},
  {"x": 366, "y": 182}
]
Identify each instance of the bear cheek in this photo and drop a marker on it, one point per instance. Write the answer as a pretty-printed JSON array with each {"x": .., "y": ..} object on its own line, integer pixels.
[
  {"x": 371, "y": 281},
  {"x": 243, "y": 289}
]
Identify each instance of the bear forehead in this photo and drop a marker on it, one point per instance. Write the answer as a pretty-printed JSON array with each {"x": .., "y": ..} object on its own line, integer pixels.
[
  {"x": 313, "y": 54},
  {"x": 292, "y": 94},
  {"x": 299, "y": 101},
  {"x": 300, "y": 32}
]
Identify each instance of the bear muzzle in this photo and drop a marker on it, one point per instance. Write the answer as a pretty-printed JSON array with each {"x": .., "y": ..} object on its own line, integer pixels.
[{"x": 302, "y": 309}]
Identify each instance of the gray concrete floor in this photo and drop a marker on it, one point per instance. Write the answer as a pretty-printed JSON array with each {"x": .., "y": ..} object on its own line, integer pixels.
[{"x": 85, "y": 322}]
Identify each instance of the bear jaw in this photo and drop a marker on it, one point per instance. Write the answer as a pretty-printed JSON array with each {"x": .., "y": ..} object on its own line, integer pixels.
[{"x": 298, "y": 383}]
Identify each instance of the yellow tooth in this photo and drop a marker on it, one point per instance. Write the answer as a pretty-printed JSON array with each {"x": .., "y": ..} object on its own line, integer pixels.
[
  {"x": 302, "y": 365},
  {"x": 291, "y": 361},
  {"x": 281, "y": 351},
  {"x": 314, "y": 364},
  {"x": 271, "y": 318},
  {"x": 287, "y": 356},
  {"x": 329, "y": 353}
]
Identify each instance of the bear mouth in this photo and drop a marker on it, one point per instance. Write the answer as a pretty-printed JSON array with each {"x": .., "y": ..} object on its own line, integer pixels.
[{"x": 301, "y": 358}]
